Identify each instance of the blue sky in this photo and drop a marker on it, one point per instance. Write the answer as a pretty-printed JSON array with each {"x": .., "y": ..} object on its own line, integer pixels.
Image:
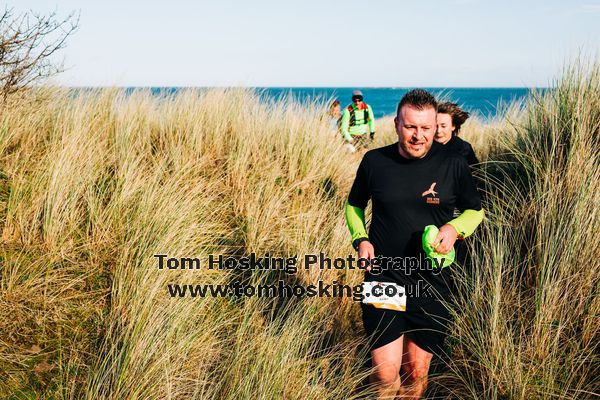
[{"x": 323, "y": 43}]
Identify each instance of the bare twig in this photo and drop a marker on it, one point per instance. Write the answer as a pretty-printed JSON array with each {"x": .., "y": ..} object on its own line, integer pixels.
[{"x": 27, "y": 43}]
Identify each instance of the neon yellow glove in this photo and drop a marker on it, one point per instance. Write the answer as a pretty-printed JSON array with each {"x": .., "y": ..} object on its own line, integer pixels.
[{"x": 438, "y": 259}]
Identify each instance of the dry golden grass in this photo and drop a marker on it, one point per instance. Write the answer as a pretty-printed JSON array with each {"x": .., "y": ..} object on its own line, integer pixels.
[{"x": 102, "y": 182}]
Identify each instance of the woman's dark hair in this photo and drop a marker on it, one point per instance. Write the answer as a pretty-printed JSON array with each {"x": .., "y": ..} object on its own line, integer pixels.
[{"x": 458, "y": 115}]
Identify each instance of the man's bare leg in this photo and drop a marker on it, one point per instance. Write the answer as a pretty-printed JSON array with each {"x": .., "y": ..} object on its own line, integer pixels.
[
  {"x": 386, "y": 362},
  {"x": 415, "y": 367}
]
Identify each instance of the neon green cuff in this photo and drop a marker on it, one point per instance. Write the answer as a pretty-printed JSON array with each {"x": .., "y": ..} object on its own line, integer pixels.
[
  {"x": 355, "y": 219},
  {"x": 466, "y": 222}
]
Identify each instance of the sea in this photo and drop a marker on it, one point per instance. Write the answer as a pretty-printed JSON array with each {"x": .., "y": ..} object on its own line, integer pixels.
[{"x": 485, "y": 103}]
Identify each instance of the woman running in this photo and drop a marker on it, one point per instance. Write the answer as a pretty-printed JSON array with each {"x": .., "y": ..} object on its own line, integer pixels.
[{"x": 450, "y": 118}]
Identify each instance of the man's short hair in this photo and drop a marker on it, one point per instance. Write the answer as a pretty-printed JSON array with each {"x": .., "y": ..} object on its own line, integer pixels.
[{"x": 417, "y": 98}]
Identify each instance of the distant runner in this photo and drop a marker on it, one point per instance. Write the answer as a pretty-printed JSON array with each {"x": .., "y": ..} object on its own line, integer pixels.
[
  {"x": 413, "y": 183},
  {"x": 334, "y": 115},
  {"x": 357, "y": 123}
]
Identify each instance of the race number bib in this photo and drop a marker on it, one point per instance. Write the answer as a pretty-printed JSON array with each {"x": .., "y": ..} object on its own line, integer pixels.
[{"x": 384, "y": 295}]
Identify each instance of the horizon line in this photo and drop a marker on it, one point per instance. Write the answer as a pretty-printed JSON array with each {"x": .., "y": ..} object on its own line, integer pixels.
[{"x": 301, "y": 87}]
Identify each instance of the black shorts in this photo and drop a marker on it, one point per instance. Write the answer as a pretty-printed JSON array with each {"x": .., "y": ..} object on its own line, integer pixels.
[{"x": 427, "y": 327}]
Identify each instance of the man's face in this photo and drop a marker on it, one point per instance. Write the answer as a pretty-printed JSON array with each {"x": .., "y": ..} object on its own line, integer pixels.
[
  {"x": 415, "y": 129},
  {"x": 444, "y": 128},
  {"x": 357, "y": 101}
]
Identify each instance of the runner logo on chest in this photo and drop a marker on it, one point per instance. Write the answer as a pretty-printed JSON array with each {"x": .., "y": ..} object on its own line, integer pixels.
[{"x": 431, "y": 191}]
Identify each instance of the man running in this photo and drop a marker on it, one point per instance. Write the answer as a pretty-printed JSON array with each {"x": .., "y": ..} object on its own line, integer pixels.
[
  {"x": 357, "y": 121},
  {"x": 412, "y": 183}
]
